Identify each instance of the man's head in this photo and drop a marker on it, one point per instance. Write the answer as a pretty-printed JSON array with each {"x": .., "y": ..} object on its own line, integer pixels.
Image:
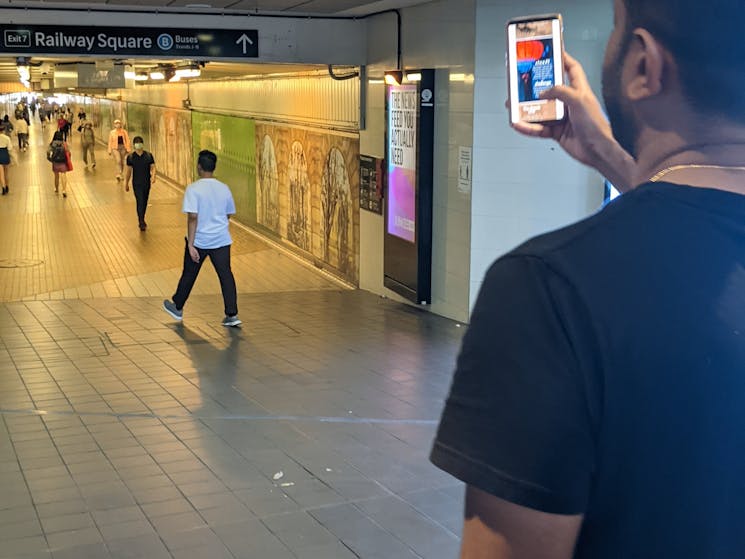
[
  {"x": 673, "y": 62},
  {"x": 117, "y": 123},
  {"x": 206, "y": 162},
  {"x": 138, "y": 143}
]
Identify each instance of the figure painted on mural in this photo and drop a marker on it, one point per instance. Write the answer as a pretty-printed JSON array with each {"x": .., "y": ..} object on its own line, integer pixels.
[
  {"x": 336, "y": 201},
  {"x": 267, "y": 195},
  {"x": 298, "y": 227}
]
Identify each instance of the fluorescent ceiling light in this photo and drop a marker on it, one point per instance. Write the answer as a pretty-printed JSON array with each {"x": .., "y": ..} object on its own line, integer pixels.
[
  {"x": 157, "y": 75},
  {"x": 188, "y": 72},
  {"x": 129, "y": 75},
  {"x": 141, "y": 77},
  {"x": 415, "y": 77}
]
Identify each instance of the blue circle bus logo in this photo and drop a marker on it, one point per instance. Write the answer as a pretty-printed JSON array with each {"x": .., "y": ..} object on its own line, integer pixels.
[{"x": 165, "y": 41}]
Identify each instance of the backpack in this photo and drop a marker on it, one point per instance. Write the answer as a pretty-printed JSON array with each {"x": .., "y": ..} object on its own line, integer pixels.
[{"x": 56, "y": 152}]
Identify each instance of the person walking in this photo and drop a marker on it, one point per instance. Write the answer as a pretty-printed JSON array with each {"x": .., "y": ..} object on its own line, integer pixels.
[
  {"x": 208, "y": 204},
  {"x": 597, "y": 409},
  {"x": 6, "y": 149},
  {"x": 88, "y": 143},
  {"x": 63, "y": 126},
  {"x": 141, "y": 171},
  {"x": 119, "y": 146},
  {"x": 59, "y": 155},
  {"x": 21, "y": 128}
]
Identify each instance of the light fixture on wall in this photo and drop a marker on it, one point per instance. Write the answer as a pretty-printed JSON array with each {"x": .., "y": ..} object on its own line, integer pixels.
[
  {"x": 414, "y": 77},
  {"x": 157, "y": 75},
  {"x": 394, "y": 77}
]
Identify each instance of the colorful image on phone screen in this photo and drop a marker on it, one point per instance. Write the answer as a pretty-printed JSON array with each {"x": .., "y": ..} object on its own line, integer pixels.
[{"x": 535, "y": 51}]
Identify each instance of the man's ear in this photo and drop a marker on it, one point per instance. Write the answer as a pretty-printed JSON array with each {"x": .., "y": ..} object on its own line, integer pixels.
[{"x": 646, "y": 66}]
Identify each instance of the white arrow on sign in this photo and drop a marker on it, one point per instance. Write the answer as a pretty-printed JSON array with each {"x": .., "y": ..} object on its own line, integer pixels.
[{"x": 244, "y": 40}]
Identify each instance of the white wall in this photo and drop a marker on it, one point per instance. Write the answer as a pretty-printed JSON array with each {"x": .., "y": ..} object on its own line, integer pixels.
[
  {"x": 523, "y": 187},
  {"x": 437, "y": 35}
]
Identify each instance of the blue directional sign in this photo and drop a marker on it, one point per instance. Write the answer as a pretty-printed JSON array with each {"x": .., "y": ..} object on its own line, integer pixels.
[{"x": 21, "y": 39}]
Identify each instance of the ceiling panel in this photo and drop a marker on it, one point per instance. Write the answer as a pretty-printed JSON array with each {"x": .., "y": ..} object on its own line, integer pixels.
[
  {"x": 8, "y": 72},
  {"x": 319, "y": 7}
]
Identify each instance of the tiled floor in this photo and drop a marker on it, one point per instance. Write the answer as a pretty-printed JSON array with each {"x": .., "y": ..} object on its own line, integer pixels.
[{"x": 303, "y": 434}]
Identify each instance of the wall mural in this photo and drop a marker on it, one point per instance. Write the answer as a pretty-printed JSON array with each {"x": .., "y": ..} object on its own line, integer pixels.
[
  {"x": 267, "y": 187},
  {"x": 298, "y": 226},
  {"x": 170, "y": 142},
  {"x": 308, "y": 193}
]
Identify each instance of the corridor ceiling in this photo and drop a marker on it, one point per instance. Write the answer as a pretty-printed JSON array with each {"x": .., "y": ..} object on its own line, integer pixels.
[{"x": 213, "y": 70}]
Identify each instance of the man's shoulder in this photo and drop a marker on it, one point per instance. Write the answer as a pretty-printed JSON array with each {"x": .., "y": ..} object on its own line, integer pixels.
[{"x": 617, "y": 223}]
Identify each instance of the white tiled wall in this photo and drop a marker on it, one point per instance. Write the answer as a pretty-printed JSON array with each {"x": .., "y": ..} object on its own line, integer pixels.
[
  {"x": 523, "y": 187},
  {"x": 434, "y": 35}
]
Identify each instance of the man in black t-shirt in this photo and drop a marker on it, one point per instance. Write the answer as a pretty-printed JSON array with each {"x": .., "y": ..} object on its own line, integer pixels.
[
  {"x": 598, "y": 406},
  {"x": 141, "y": 170}
]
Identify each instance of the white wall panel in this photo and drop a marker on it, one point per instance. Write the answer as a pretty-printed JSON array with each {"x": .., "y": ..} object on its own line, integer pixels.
[{"x": 523, "y": 187}]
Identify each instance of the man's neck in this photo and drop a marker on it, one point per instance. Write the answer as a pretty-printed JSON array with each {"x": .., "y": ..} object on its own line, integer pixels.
[
  {"x": 205, "y": 175},
  {"x": 719, "y": 165}
]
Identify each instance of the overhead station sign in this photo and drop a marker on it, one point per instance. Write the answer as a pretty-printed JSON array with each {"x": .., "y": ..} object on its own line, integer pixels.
[{"x": 117, "y": 41}]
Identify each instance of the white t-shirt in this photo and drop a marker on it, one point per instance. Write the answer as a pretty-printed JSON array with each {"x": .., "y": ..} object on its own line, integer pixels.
[{"x": 213, "y": 202}]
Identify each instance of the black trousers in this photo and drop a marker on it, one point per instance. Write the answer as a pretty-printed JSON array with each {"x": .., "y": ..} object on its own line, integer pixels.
[
  {"x": 220, "y": 258},
  {"x": 142, "y": 194}
]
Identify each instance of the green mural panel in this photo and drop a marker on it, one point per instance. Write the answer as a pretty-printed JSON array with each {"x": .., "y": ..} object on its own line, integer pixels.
[
  {"x": 138, "y": 123},
  {"x": 233, "y": 140}
]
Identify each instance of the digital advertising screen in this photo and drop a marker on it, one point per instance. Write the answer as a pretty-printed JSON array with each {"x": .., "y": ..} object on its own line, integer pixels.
[{"x": 402, "y": 161}]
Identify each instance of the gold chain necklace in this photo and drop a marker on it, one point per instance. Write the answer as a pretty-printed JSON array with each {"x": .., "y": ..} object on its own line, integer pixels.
[{"x": 673, "y": 168}]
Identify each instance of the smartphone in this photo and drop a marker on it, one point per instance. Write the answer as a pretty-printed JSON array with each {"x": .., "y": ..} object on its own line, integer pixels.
[{"x": 535, "y": 63}]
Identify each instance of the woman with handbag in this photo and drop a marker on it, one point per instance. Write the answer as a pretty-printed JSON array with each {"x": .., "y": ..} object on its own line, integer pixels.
[{"x": 59, "y": 155}]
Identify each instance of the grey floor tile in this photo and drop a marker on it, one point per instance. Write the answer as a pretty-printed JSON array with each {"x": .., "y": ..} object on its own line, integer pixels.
[
  {"x": 67, "y": 522},
  {"x": 139, "y": 547}
]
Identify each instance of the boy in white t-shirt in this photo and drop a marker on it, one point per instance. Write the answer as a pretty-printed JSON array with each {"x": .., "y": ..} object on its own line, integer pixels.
[{"x": 208, "y": 205}]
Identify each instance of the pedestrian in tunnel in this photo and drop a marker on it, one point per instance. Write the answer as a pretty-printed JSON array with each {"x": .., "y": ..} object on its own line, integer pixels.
[
  {"x": 59, "y": 155},
  {"x": 22, "y": 133},
  {"x": 119, "y": 147},
  {"x": 6, "y": 148},
  {"x": 88, "y": 142},
  {"x": 141, "y": 171},
  {"x": 208, "y": 204}
]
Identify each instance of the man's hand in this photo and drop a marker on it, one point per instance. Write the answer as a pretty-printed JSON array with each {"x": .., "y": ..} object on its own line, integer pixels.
[
  {"x": 194, "y": 253},
  {"x": 585, "y": 133},
  {"x": 126, "y": 187}
]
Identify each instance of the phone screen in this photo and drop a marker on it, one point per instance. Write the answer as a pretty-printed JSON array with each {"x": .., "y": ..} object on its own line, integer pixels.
[{"x": 535, "y": 65}]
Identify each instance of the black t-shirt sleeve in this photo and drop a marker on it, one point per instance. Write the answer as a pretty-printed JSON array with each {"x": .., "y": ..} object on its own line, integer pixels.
[
  {"x": 129, "y": 160},
  {"x": 517, "y": 423}
]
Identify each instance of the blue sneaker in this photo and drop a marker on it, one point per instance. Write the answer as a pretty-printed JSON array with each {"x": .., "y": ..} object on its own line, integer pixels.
[{"x": 170, "y": 307}]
